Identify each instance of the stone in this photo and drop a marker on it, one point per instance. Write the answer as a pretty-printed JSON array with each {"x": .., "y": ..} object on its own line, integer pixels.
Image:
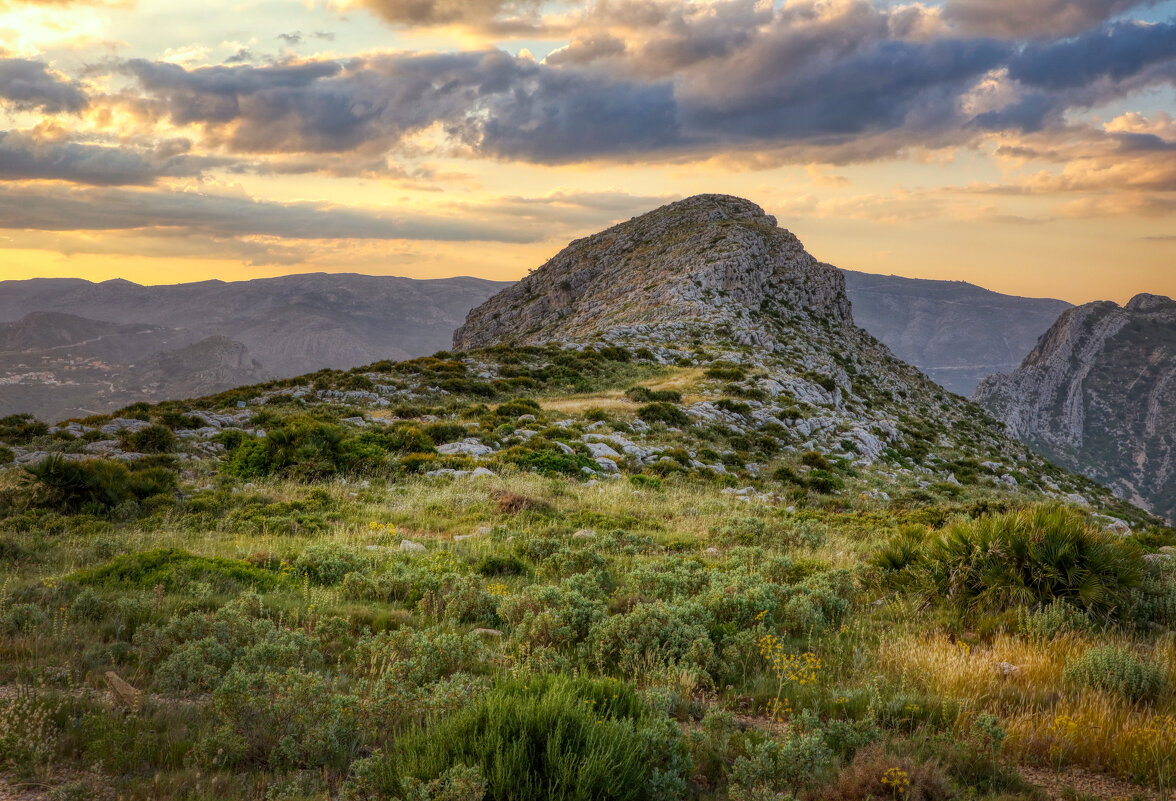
[
  {"x": 123, "y": 694},
  {"x": 599, "y": 449},
  {"x": 412, "y": 547},
  {"x": 466, "y": 447},
  {"x": 584, "y": 534}
]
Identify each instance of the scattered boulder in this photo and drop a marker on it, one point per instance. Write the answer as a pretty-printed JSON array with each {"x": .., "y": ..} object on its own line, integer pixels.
[{"x": 123, "y": 694}]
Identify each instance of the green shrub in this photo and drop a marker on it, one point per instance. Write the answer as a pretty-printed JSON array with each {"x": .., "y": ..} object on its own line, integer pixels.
[
  {"x": 281, "y": 720},
  {"x": 328, "y": 563},
  {"x": 153, "y": 439},
  {"x": 1050, "y": 620},
  {"x": 176, "y": 570},
  {"x": 1029, "y": 558},
  {"x": 1119, "y": 671},
  {"x": 501, "y": 565},
  {"x": 441, "y": 433},
  {"x": 723, "y": 372},
  {"x": 647, "y": 395},
  {"x": 551, "y": 616},
  {"x": 95, "y": 484},
  {"x": 551, "y": 739},
  {"x": 653, "y": 635},
  {"x": 773, "y": 769},
  {"x": 312, "y": 450},
  {"x": 550, "y": 461},
  {"x": 21, "y": 618},
  {"x": 661, "y": 412},
  {"x": 19, "y": 429}
]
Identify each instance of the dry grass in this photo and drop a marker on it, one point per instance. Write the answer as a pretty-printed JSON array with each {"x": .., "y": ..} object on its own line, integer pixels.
[
  {"x": 615, "y": 401},
  {"x": 1047, "y": 721},
  {"x": 578, "y": 404},
  {"x": 861, "y": 780}
]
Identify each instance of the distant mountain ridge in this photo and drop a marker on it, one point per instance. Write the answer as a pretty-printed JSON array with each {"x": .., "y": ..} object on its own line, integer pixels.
[
  {"x": 955, "y": 332},
  {"x": 1098, "y": 396},
  {"x": 70, "y": 347},
  {"x": 292, "y": 324}
]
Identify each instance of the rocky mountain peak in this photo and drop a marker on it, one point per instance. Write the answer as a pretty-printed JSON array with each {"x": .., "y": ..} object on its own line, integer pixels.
[
  {"x": 708, "y": 260},
  {"x": 1145, "y": 301}
]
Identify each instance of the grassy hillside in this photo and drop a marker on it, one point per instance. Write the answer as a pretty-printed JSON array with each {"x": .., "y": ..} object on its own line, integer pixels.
[{"x": 430, "y": 580}]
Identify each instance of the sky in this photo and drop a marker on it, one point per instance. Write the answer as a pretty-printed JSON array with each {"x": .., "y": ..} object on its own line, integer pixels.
[{"x": 1028, "y": 146}]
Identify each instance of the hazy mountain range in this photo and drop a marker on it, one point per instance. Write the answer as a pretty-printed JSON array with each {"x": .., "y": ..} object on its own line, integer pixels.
[
  {"x": 71, "y": 347},
  {"x": 955, "y": 332}
]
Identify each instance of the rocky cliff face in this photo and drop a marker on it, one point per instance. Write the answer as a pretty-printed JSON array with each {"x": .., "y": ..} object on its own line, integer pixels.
[
  {"x": 1098, "y": 395},
  {"x": 955, "y": 332}
]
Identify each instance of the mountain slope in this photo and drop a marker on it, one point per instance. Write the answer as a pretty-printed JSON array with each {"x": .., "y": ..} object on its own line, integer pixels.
[
  {"x": 1098, "y": 395},
  {"x": 955, "y": 332}
]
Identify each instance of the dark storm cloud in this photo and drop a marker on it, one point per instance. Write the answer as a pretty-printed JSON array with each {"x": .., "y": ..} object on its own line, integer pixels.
[
  {"x": 1115, "y": 52},
  {"x": 879, "y": 87},
  {"x": 28, "y": 85},
  {"x": 25, "y": 157},
  {"x": 1017, "y": 19},
  {"x": 490, "y": 100},
  {"x": 856, "y": 80}
]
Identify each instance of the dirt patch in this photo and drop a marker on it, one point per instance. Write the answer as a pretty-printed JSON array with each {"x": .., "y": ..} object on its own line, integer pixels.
[
  {"x": 16, "y": 792},
  {"x": 1063, "y": 784},
  {"x": 510, "y": 503}
]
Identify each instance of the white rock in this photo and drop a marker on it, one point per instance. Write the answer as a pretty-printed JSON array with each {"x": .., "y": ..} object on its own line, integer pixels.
[
  {"x": 412, "y": 547},
  {"x": 466, "y": 447},
  {"x": 600, "y": 450}
]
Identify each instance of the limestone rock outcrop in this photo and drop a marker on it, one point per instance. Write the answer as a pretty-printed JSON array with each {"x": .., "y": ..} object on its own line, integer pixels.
[
  {"x": 1098, "y": 396},
  {"x": 710, "y": 260}
]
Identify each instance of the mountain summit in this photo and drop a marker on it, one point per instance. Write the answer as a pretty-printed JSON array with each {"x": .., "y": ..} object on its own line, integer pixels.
[
  {"x": 709, "y": 260},
  {"x": 1098, "y": 396}
]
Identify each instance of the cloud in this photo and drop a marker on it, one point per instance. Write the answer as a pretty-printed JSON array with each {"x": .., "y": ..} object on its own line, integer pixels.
[
  {"x": 1018, "y": 19},
  {"x": 74, "y": 209},
  {"x": 25, "y": 156},
  {"x": 29, "y": 85},
  {"x": 833, "y": 81},
  {"x": 1114, "y": 53},
  {"x": 496, "y": 103},
  {"x": 477, "y": 13}
]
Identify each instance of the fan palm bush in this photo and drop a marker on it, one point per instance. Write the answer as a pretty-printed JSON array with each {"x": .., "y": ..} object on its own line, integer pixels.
[{"x": 1027, "y": 558}]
